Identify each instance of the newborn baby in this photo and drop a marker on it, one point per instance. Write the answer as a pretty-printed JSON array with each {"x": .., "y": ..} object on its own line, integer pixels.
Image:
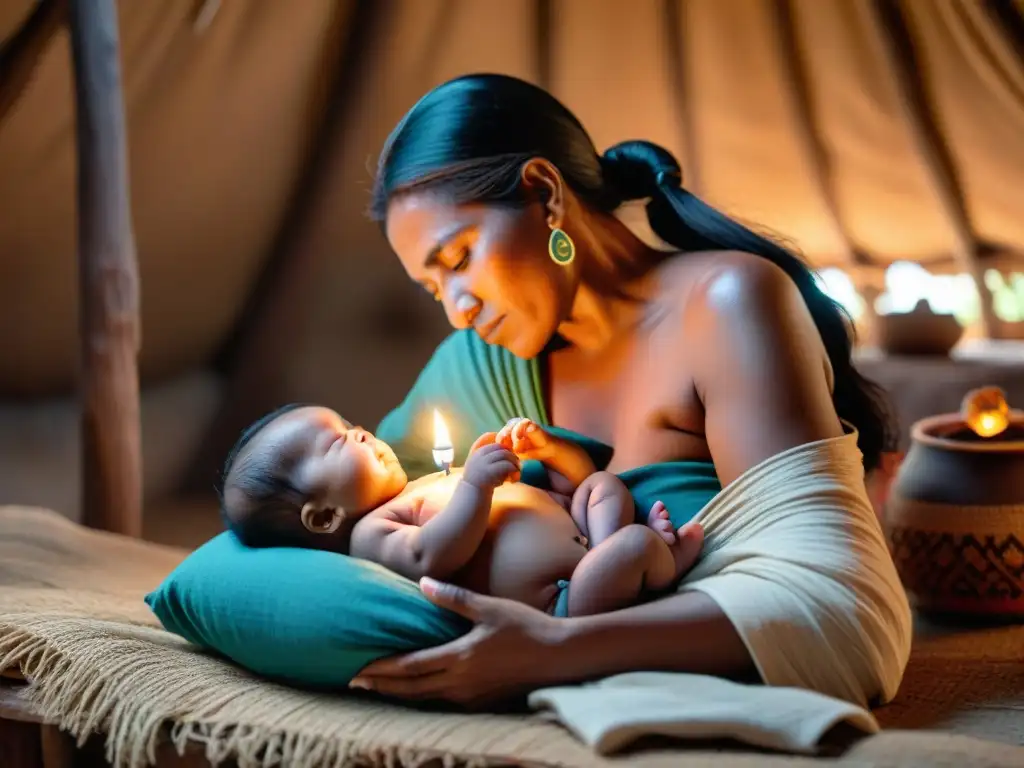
[{"x": 304, "y": 477}]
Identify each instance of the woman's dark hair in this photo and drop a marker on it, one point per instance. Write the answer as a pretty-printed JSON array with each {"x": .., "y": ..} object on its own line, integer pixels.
[{"x": 469, "y": 138}]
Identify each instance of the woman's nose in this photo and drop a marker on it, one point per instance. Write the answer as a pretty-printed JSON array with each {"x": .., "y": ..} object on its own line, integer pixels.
[
  {"x": 466, "y": 310},
  {"x": 360, "y": 435}
]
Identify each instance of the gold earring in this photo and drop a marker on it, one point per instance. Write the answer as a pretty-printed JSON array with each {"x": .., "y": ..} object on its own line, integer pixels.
[{"x": 560, "y": 247}]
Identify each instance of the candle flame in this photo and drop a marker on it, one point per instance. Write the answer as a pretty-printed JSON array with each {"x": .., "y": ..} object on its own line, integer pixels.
[
  {"x": 986, "y": 411},
  {"x": 444, "y": 452},
  {"x": 442, "y": 439}
]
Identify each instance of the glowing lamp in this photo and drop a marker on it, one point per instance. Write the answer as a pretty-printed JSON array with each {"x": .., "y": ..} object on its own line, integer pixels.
[
  {"x": 986, "y": 411},
  {"x": 444, "y": 452}
]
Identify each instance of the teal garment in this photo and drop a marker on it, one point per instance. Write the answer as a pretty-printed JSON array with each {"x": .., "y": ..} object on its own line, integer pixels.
[
  {"x": 479, "y": 387},
  {"x": 305, "y": 617},
  {"x": 476, "y": 388},
  {"x": 561, "y": 609},
  {"x": 684, "y": 487}
]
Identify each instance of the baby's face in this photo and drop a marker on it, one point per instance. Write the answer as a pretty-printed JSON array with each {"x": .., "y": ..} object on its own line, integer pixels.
[{"x": 333, "y": 462}]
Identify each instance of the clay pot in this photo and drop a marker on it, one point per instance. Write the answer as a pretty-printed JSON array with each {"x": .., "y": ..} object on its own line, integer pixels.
[
  {"x": 918, "y": 332},
  {"x": 955, "y": 519}
]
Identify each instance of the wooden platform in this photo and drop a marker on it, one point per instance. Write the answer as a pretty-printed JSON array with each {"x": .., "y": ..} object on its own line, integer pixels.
[{"x": 27, "y": 741}]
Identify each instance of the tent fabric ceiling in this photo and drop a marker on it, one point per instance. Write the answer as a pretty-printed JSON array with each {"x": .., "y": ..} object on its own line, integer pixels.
[{"x": 786, "y": 113}]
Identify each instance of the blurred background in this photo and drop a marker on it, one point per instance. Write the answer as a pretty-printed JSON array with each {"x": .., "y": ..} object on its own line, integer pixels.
[{"x": 882, "y": 139}]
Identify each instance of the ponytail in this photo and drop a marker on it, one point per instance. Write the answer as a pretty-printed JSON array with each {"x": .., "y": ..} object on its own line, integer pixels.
[{"x": 638, "y": 169}]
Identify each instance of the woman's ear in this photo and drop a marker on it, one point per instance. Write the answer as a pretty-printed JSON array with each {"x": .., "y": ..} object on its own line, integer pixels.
[
  {"x": 540, "y": 178},
  {"x": 317, "y": 518}
]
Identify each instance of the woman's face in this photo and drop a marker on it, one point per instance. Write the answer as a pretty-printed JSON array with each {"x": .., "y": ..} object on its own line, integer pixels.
[{"x": 488, "y": 265}]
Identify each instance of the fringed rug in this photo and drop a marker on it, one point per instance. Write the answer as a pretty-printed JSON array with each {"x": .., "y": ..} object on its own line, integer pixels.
[{"x": 72, "y": 620}]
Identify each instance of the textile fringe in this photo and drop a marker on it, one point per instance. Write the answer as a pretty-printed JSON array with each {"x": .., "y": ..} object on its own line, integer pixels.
[{"x": 130, "y": 682}]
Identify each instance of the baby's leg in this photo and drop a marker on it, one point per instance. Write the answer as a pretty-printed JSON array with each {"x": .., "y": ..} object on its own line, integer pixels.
[
  {"x": 633, "y": 560},
  {"x": 601, "y": 506}
]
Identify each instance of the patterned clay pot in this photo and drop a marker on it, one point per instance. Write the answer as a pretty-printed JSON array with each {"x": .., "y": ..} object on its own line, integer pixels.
[{"x": 955, "y": 519}]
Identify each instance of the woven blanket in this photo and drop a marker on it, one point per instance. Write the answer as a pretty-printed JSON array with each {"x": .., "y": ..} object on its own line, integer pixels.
[{"x": 73, "y": 622}]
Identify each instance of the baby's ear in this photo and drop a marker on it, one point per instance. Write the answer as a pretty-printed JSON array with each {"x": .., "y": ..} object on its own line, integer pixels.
[{"x": 320, "y": 519}]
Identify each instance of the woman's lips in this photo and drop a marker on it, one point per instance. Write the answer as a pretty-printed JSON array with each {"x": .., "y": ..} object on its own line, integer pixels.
[{"x": 488, "y": 331}]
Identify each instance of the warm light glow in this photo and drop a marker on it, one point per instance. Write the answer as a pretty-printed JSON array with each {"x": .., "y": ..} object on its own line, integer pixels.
[
  {"x": 840, "y": 287},
  {"x": 442, "y": 439},
  {"x": 986, "y": 411},
  {"x": 444, "y": 452}
]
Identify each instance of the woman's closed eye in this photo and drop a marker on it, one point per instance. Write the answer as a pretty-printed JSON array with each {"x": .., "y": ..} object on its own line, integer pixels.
[
  {"x": 461, "y": 260},
  {"x": 457, "y": 261}
]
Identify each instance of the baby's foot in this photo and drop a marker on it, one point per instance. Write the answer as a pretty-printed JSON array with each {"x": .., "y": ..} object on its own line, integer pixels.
[
  {"x": 659, "y": 522},
  {"x": 685, "y": 542}
]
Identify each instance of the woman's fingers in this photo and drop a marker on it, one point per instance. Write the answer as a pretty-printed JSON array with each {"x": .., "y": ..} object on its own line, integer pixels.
[
  {"x": 519, "y": 430},
  {"x": 433, "y": 686},
  {"x": 458, "y": 599},
  {"x": 505, "y": 433},
  {"x": 526, "y": 437},
  {"x": 416, "y": 664}
]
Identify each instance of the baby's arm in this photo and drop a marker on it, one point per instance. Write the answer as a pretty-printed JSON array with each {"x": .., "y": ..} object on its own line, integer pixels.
[
  {"x": 568, "y": 465},
  {"x": 392, "y": 537}
]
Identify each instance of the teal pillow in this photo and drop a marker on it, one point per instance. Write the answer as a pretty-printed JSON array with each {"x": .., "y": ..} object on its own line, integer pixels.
[{"x": 301, "y": 616}]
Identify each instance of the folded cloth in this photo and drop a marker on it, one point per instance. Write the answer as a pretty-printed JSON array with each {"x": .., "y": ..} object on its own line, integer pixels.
[
  {"x": 795, "y": 557},
  {"x": 611, "y": 714}
]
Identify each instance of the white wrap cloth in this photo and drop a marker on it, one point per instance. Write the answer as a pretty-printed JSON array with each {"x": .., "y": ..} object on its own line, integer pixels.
[{"x": 795, "y": 557}]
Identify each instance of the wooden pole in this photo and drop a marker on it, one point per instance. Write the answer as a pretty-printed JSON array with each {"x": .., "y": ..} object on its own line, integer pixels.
[{"x": 108, "y": 279}]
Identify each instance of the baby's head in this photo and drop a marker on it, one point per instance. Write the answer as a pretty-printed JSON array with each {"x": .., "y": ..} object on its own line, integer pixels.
[{"x": 302, "y": 475}]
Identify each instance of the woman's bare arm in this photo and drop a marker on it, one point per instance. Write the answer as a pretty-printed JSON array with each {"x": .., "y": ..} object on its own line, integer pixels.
[
  {"x": 762, "y": 375},
  {"x": 687, "y": 632},
  {"x": 759, "y": 365}
]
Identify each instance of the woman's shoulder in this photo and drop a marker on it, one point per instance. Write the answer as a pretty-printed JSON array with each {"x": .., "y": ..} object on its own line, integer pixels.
[
  {"x": 733, "y": 305},
  {"x": 754, "y": 356},
  {"x": 731, "y": 287}
]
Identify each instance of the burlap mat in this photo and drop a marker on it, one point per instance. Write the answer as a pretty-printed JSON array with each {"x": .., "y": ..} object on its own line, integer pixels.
[{"x": 72, "y": 619}]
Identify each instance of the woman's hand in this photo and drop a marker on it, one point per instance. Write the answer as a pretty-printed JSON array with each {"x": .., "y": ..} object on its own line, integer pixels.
[
  {"x": 526, "y": 438},
  {"x": 511, "y": 651}
]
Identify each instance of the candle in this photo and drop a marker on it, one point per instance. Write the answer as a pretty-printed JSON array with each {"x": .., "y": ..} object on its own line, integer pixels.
[{"x": 444, "y": 453}]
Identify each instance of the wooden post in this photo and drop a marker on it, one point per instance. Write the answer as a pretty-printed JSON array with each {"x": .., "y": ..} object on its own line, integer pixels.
[{"x": 108, "y": 278}]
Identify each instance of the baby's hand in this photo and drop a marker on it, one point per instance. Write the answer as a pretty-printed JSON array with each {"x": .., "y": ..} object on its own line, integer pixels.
[
  {"x": 491, "y": 465},
  {"x": 526, "y": 438}
]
